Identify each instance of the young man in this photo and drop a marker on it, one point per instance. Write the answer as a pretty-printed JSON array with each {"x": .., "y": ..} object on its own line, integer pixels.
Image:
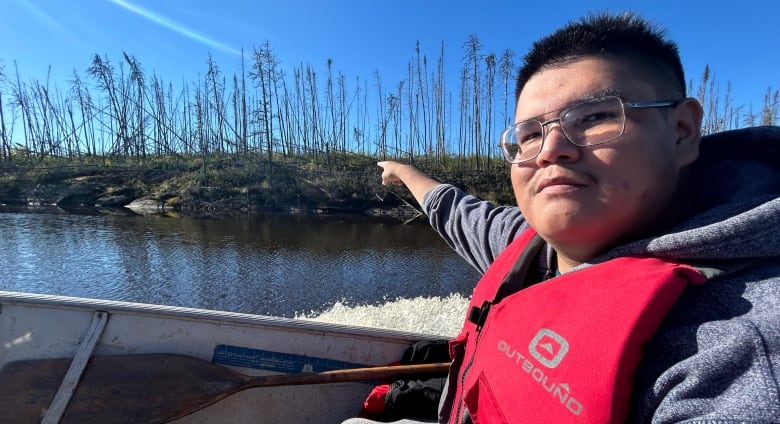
[{"x": 638, "y": 280}]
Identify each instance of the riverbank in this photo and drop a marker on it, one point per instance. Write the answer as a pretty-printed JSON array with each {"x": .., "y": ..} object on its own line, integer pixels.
[{"x": 229, "y": 187}]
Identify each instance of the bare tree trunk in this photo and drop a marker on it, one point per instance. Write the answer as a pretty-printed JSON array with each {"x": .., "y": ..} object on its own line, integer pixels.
[
  {"x": 159, "y": 114},
  {"x": 85, "y": 109},
  {"x": 200, "y": 125},
  {"x": 289, "y": 123},
  {"x": 73, "y": 130},
  {"x": 396, "y": 109},
  {"x": 22, "y": 102},
  {"x": 264, "y": 67},
  {"x": 234, "y": 101},
  {"x": 5, "y": 147},
  {"x": 464, "y": 123},
  {"x": 490, "y": 77},
  {"x": 244, "y": 114},
  {"x": 50, "y": 140},
  {"x": 441, "y": 127},
  {"x": 276, "y": 78},
  {"x": 385, "y": 119},
  {"x": 472, "y": 61},
  {"x": 423, "y": 93},
  {"x": 317, "y": 134},
  {"x": 343, "y": 113},
  {"x": 139, "y": 132},
  {"x": 302, "y": 108},
  {"x": 411, "y": 111},
  {"x": 507, "y": 69},
  {"x": 330, "y": 104},
  {"x": 363, "y": 124},
  {"x": 186, "y": 121},
  {"x": 103, "y": 72}
]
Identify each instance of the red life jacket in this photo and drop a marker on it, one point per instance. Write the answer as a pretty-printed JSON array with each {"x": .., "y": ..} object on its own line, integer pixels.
[{"x": 563, "y": 350}]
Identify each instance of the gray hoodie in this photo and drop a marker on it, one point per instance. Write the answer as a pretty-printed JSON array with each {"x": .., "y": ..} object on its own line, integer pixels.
[{"x": 716, "y": 357}]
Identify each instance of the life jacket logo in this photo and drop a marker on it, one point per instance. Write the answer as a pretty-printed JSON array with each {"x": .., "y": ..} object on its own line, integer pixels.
[{"x": 548, "y": 347}]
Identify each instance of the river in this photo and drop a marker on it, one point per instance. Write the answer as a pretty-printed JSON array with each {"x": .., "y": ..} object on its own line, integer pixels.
[{"x": 339, "y": 269}]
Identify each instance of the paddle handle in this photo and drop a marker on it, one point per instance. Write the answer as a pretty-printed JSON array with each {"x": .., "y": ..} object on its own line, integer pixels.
[{"x": 348, "y": 375}]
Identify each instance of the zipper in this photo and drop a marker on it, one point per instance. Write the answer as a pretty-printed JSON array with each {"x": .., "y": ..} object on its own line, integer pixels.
[
  {"x": 512, "y": 282},
  {"x": 478, "y": 316}
]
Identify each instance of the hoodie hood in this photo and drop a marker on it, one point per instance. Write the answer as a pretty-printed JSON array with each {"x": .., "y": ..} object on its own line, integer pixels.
[{"x": 733, "y": 202}]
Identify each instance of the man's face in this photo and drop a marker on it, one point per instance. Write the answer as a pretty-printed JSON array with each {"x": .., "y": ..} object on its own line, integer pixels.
[{"x": 584, "y": 200}]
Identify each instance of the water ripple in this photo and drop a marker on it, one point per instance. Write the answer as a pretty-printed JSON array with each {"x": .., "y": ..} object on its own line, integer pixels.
[{"x": 274, "y": 266}]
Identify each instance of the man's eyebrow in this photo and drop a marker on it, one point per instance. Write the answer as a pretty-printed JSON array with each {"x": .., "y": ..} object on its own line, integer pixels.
[
  {"x": 604, "y": 92},
  {"x": 592, "y": 95}
]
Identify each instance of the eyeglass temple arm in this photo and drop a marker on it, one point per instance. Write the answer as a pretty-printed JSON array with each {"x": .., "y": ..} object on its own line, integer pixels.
[{"x": 660, "y": 103}]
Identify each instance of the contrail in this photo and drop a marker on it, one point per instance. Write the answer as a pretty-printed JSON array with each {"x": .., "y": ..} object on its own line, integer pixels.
[{"x": 167, "y": 23}]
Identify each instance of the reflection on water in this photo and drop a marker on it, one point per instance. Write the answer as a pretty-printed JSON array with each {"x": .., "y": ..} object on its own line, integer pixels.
[{"x": 278, "y": 265}]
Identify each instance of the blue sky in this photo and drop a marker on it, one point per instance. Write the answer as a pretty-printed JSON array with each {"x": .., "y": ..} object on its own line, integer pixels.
[{"x": 739, "y": 40}]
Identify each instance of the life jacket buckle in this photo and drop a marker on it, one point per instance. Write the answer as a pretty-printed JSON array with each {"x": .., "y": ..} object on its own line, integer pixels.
[{"x": 479, "y": 315}]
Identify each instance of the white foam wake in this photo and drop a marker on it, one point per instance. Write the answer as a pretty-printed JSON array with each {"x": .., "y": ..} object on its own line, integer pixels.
[{"x": 428, "y": 315}]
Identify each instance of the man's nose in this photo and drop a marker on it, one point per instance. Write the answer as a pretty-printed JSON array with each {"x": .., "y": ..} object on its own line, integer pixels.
[{"x": 557, "y": 147}]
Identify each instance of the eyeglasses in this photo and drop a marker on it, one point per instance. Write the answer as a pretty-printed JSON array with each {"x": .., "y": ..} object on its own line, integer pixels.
[{"x": 588, "y": 123}]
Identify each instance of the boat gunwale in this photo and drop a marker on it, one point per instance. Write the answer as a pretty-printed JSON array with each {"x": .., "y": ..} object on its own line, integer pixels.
[{"x": 213, "y": 316}]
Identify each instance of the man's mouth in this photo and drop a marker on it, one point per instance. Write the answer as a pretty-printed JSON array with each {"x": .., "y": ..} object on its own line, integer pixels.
[{"x": 560, "y": 183}]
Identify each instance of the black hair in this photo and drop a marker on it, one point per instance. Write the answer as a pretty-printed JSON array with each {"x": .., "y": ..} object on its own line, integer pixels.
[{"x": 623, "y": 37}]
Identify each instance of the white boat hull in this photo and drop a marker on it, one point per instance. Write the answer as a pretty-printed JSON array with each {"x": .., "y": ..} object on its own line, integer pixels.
[{"x": 43, "y": 326}]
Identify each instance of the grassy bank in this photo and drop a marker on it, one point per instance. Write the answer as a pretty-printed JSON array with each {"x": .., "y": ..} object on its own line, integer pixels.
[{"x": 234, "y": 185}]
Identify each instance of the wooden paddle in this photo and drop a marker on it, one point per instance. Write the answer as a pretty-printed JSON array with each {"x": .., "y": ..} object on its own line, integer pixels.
[{"x": 153, "y": 388}]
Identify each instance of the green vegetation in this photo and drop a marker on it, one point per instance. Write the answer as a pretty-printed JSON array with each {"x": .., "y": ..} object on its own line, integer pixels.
[{"x": 231, "y": 186}]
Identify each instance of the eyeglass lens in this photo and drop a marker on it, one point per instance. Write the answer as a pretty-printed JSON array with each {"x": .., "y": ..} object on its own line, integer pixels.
[{"x": 584, "y": 124}]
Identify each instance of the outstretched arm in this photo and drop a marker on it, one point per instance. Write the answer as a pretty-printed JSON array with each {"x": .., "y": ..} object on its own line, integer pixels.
[
  {"x": 478, "y": 230},
  {"x": 415, "y": 180}
]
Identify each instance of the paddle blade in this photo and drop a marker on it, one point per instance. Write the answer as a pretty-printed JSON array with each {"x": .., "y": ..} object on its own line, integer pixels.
[
  {"x": 153, "y": 388},
  {"x": 26, "y": 389},
  {"x": 117, "y": 389}
]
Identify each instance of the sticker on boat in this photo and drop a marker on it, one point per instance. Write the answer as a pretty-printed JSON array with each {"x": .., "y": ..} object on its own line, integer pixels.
[{"x": 275, "y": 361}]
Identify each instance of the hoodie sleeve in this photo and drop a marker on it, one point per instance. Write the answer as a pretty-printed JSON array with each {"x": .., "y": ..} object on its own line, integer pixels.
[{"x": 476, "y": 229}]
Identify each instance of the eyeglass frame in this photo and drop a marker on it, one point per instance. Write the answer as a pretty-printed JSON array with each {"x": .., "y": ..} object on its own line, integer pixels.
[{"x": 545, "y": 124}]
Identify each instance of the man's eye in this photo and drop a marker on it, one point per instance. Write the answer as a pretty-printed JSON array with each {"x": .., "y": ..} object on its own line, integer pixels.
[
  {"x": 597, "y": 117},
  {"x": 530, "y": 138}
]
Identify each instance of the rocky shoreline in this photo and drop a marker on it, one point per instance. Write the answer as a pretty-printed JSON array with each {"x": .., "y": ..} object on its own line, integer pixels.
[
  {"x": 116, "y": 193},
  {"x": 229, "y": 187}
]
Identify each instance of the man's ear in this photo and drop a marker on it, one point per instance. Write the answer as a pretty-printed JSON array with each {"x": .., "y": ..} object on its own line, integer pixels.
[{"x": 687, "y": 119}]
